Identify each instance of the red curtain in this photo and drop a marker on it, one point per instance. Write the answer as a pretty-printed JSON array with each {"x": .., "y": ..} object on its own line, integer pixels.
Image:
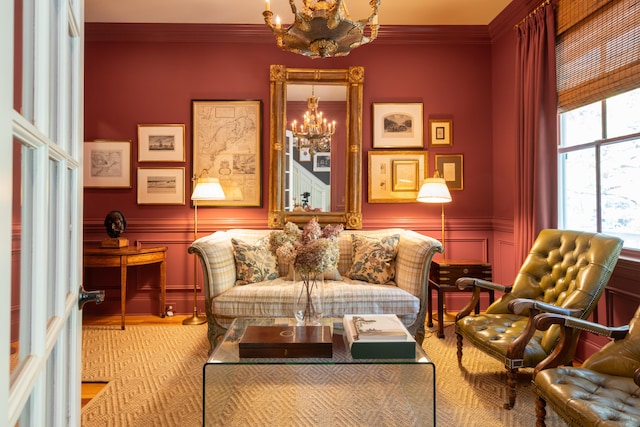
[{"x": 536, "y": 163}]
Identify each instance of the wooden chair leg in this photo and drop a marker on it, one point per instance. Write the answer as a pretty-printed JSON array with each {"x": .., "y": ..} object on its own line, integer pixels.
[
  {"x": 541, "y": 411},
  {"x": 459, "y": 337},
  {"x": 512, "y": 380}
]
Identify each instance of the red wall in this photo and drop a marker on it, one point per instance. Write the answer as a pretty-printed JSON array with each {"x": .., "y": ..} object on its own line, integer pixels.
[{"x": 130, "y": 82}]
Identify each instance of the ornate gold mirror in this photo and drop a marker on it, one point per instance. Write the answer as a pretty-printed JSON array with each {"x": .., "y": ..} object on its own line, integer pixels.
[{"x": 287, "y": 201}]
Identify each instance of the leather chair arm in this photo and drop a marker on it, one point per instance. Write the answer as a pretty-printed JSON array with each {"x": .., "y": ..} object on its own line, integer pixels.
[
  {"x": 636, "y": 376},
  {"x": 476, "y": 284},
  {"x": 463, "y": 282},
  {"x": 568, "y": 325},
  {"x": 519, "y": 305}
]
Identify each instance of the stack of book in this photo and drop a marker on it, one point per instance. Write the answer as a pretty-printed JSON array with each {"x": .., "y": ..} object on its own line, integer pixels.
[{"x": 378, "y": 336}]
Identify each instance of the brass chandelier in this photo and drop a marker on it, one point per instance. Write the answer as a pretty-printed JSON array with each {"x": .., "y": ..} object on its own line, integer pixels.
[
  {"x": 323, "y": 28},
  {"x": 314, "y": 133}
]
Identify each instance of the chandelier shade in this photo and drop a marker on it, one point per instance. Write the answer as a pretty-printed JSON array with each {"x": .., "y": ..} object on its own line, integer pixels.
[{"x": 323, "y": 28}]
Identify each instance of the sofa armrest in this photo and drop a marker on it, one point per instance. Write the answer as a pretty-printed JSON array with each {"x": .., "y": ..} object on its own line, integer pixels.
[
  {"x": 569, "y": 326},
  {"x": 415, "y": 252}
]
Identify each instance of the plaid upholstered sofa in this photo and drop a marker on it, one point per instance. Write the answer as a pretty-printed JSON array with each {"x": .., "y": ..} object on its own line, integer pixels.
[{"x": 226, "y": 297}]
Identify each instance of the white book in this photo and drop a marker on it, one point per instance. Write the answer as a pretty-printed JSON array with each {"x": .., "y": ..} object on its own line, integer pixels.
[{"x": 375, "y": 327}]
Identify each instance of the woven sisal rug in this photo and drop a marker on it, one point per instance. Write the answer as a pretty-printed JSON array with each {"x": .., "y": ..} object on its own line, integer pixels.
[{"x": 154, "y": 376}]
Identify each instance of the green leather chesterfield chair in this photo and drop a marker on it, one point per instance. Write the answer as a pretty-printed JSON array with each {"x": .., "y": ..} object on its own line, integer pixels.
[
  {"x": 564, "y": 273},
  {"x": 605, "y": 390}
]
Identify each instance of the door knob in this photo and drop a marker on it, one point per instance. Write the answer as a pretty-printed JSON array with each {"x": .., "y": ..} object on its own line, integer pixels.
[{"x": 89, "y": 296}]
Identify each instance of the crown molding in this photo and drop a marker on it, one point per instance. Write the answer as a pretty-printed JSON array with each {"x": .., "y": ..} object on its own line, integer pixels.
[{"x": 260, "y": 34}]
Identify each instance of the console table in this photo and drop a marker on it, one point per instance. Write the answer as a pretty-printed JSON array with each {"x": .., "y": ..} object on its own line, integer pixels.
[
  {"x": 442, "y": 278},
  {"x": 126, "y": 257}
]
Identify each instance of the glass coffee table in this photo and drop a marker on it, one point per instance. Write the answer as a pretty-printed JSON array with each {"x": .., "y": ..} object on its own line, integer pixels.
[{"x": 337, "y": 391}]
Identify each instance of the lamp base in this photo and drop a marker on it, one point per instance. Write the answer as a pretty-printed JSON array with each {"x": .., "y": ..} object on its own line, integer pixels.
[{"x": 195, "y": 319}]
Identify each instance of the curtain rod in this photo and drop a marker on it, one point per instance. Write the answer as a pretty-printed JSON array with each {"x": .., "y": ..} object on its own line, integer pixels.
[{"x": 533, "y": 12}]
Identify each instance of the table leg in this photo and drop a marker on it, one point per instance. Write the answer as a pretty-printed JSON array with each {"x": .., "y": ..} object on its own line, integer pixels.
[
  {"x": 163, "y": 285},
  {"x": 440, "y": 313},
  {"x": 123, "y": 289}
]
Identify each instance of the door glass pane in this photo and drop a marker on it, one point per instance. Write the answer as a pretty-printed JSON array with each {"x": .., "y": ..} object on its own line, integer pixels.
[
  {"x": 623, "y": 114},
  {"x": 579, "y": 201},
  {"x": 53, "y": 299},
  {"x": 620, "y": 194},
  {"x": 16, "y": 259}
]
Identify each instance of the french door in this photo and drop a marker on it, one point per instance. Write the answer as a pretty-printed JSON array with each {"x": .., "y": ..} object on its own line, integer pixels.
[{"x": 41, "y": 115}]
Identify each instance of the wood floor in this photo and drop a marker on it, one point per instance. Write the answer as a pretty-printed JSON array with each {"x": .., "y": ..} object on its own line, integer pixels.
[{"x": 90, "y": 390}]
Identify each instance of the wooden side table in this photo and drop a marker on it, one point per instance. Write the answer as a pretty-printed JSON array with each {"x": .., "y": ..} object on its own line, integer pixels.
[
  {"x": 123, "y": 258},
  {"x": 442, "y": 278}
]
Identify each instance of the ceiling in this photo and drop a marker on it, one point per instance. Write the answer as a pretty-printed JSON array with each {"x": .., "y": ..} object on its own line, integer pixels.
[{"x": 392, "y": 12}]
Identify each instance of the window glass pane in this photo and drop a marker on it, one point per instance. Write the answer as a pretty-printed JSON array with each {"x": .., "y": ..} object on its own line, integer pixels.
[
  {"x": 623, "y": 114},
  {"x": 581, "y": 125},
  {"x": 579, "y": 204},
  {"x": 620, "y": 194},
  {"x": 54, "y": 211}
]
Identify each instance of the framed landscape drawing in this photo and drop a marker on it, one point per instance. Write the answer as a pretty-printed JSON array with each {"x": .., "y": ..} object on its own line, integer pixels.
[
  {"x": 450, "y": 168},
  {"x": 161, "y": 143},
  {"x": 107, "y": 164},
  {"x": 397, "y": 125},
  {"x": 161, "y": 186},
  {"x": 440, "y": 133},
  {"x": 226, "y": 139},
  {"x": 396, "y": 176}
]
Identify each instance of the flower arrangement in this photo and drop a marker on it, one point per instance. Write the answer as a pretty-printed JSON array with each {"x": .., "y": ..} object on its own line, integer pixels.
[{"x": 310, "y": 252}]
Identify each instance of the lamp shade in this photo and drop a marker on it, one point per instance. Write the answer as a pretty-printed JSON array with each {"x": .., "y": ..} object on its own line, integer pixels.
[
  {"x": 208, "y": 189},
  {"x": 434, "y": 190}
]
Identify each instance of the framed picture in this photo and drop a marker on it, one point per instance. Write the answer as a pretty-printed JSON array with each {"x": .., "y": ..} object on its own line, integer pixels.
[
  {"x": 440, "y": 133},
  {"x": 450, "y": 168},
  {"x": 226, "y": 138},
  {"x": 396, "y": 176},
  {"x": 161, "y": 186},
  {"x": 304, "y": 155},
  {"x": 397, "y": 125},
  {"x": 322, "y": 162},
  {"x": 161, "y": 143},
  {"x": 107, "y": 164}
]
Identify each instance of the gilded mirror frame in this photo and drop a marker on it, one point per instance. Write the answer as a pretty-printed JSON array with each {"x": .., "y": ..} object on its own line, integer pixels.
[{"x": 353, "y": 79}]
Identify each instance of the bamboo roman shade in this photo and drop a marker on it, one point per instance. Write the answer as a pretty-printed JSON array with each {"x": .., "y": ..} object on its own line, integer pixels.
[{"x": 597, "y": 50}]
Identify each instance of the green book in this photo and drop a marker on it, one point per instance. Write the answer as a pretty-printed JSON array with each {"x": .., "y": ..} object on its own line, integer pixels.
[{"x": 376, "y": 336}]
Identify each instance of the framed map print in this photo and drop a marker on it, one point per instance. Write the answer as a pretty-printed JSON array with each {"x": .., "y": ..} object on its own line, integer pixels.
[
  {"x": 226, "y": 138},
  {"x": 107, "y": 164}
]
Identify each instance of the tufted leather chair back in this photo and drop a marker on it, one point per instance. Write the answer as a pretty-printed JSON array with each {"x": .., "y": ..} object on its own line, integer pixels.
[{"x": 566, "y": 268}]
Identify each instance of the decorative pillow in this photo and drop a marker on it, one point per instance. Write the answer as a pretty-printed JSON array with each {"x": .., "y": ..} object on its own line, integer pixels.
[
  {"x": 254, "y": 263},
  {"x": 374, "y": 260}
]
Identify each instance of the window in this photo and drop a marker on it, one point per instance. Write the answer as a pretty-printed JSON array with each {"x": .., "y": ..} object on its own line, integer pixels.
[{"x": 599, "y": 168}]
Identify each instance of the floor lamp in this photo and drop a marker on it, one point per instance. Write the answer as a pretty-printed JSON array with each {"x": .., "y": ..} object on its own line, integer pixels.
[
  {"x": 205, "y": 189},
  {"x": 435, "y": 190}
]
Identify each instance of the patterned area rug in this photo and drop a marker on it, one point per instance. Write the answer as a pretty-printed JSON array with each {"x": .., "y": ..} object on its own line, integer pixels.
[{"x": 154, "y": 376}]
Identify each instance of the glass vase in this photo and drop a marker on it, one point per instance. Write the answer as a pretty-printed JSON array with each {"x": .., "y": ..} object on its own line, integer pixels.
[{"x": 308, "y": 304}]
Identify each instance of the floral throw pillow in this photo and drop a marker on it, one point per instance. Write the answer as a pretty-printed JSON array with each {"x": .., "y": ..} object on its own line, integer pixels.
[
  {"x": 254, "y": 263},
  {"x": 374, "y": 260}
]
